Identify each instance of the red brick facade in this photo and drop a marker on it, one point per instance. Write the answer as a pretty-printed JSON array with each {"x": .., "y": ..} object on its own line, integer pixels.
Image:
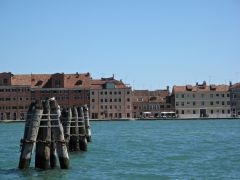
[{"x": 18, "y": 91}]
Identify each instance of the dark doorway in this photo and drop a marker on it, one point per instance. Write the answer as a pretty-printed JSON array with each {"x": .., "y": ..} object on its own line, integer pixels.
[{"x": 203, "y": 113}]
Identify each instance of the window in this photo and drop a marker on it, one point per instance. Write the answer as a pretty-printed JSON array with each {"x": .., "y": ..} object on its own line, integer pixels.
[
  {"x": 188, "y": 103},
  {"x": 120, "y": 99},
  {"x": 177, "y": 104},
  {"x": 93, "y": 100},
  {"x": 217, "y": 102},
  {"x": 119, "y": 92},
  {"x": 128, "y": 92},
  {"x": 217, "y": 95},
  {"x": 211, "y": 111},
  {"x": 202, "y": 95},
  {"x": 110, "y": 92},
  {"x": 223, "y": 103},
  {"x": 101, "y": 100},
  {"x": 92, "y": 93},
  {"x": 106, "y": 107},
  {"x": 101, "y": 93},
  {"x": 194, "y": 112},
  {"x": 182, "y": 111},
  {"x": 110, "y": 100},
  {"x": 128, "y": 107},
  {"x": 223, "y": 95},
  {"x": 128, "y": 99},
  {"x": 106, "y": 100},
  {"x": 211, "y": 95},
  {"x": 105, "y": 92},
  {"x": 228, "y": 95},
  {"x": 5, "y": 81},
  {"x": 229, "y": 111},
  {"x": 202, "y": 103},
  {"x": 194, "y": 103},
  {"x": 193, "y": 96},
  {"x": 223, "y": 111},
  {"x": 182, "y": 103},
  {"x": 110, "y": 107},
  {"x": 228, "y": 103},
  {"x": 211, "y": 103},
  {"x": 182, "y": 95},
  {"x": 176, "y": 95}
]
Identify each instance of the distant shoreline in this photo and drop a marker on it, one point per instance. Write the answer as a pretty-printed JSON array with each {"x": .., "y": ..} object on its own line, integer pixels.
[{"x": 138, "y": 119}]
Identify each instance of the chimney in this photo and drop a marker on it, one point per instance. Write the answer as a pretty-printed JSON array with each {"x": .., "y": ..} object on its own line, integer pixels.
[
  {"x": 167, "y": 88},
  {"x": 204, "y": 83}
]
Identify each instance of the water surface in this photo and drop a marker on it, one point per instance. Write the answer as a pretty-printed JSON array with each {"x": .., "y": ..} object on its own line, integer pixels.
[{"x": 140, "y": 150}]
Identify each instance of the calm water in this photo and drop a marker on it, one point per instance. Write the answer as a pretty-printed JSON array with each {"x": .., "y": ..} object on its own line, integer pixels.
[{"x": 140, "y": 150}]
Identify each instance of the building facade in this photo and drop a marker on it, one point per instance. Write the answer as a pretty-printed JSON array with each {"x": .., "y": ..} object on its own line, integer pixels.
[
  {"x": 235, "y": 99},
  {"x": 18, "y": 91},
  {"x": 202, "y": 101},
  {"x": 152, "y": 104},
  {"x": 110, "y": 99}
]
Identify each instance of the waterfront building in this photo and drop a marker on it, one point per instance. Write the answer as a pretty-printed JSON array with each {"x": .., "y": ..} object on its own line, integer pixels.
[
  {"x": 202, "y": 100},
  {"x": 235, "y": 99},
  {"x": 110, "y": 99},
  {"x": 18, "y": 91},
  {"x": 152, "y": 104}
]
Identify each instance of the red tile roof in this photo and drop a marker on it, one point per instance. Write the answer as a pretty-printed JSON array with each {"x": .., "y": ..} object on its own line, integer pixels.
[
  {"x": 99, "y": 83},
  {"x": 218, "y": 88},
  {"x": 44, "y": 80}
]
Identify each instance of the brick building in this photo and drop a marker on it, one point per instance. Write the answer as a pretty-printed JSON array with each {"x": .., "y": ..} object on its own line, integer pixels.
[
  {"x": 202, "y": 101},
  {"x": 151, "y": 104},
  {"x": 110, "y": 99},
  {"x": 18, "y": 91}
]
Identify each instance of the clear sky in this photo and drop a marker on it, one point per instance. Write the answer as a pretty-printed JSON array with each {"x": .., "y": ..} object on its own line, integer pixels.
[{"x": 147, "y": 43}]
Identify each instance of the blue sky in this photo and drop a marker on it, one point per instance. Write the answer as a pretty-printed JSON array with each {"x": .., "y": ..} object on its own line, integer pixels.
[{"x": 147, "y": 43}]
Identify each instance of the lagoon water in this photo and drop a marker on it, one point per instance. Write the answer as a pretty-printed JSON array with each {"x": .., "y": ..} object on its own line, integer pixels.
[{"x": 140, "y": 150}]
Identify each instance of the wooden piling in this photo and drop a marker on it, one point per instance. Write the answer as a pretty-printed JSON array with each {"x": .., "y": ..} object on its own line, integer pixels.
[
  {"x": 53, "y": 153},
  {"x": 74, "y": 139},
  {"x": 66, "y": 122},
  {"x": 42, "y": 158},
  {"x": 58, "y": 134},
  {"x": 87, "y": 124},
  {"x": 82, "y": 130},
  {"x": 31, "y": 136}
]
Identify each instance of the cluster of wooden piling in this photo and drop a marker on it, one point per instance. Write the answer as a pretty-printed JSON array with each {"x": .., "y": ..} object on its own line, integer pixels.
[{"x": 54, "y": 133}]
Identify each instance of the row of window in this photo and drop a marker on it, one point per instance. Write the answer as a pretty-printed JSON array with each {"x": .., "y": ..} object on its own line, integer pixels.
[
  {"x": 211, "y": 111},
  {"x": 110, "y": 92},
  {"x": 111, "y": 100},
  {"x": 203, "y": 103},
  {"x": 201, "y": 95},
  {"x": 152, "y": 107},
  {"x": 111, "y": 107},
  {"x": 14, "y": 99},
  {"x": 13, "y": 107},
  {"x": 15, "y": 90}
]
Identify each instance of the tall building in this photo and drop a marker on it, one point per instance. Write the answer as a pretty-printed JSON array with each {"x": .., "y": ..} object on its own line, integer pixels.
[
  {"x": 202, "y": 101},
  {"x": 15, "y": 98},
  {"x": 18, "y": 91},
  {"x": 110, "y": 99},
  {"x": 235, "y": 99},
  {"x": 151, "y": 104}
]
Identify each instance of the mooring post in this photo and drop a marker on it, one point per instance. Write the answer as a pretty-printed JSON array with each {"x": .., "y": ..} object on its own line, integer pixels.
[
  {"x": 31, "y": 137},
  {"x": 66, "y": 121},
  {"x": 74, "y": 139},
  {"x": 58, "y": 134},
  {"x": 87, "y": 123},
  {"x": 82, "y": 130},
  {"x": 42, "y": 159}
]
